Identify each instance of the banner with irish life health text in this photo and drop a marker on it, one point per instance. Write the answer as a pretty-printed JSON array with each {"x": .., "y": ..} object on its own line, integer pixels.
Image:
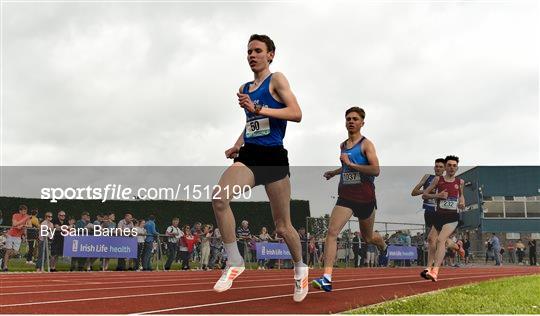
[{"x": 100, "y": 247}]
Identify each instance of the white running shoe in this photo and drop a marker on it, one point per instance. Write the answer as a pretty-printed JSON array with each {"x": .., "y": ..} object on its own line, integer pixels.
[
  {"x": 227, "y": 277},
  {"x": 301, "y": 285}
]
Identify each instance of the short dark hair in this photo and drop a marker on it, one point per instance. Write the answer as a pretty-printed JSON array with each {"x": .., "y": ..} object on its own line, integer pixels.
[
  {"x": 151, "y": 217},
  {"x": 270, "y": 46},
  {"x": 23, "y": 207},
  {"x": 358, "y": 110},
  {"x": 441, "y": 160},
  {"x": 85, "y": 213},
  {"x": 450, "y": 157},
  {"x": 34, "y": 211}
]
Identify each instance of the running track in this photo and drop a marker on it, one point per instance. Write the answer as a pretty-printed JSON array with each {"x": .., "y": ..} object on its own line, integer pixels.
[{"x": 255, "y": 292}]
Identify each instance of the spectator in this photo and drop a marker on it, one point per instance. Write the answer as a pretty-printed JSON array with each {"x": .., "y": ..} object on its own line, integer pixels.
[
  {"x": 126, "y": 222},
  {"x": 263, "y": 237},
  {"x": 141, "y": 236},
  {"x": 205, "y": 237},
  {"x": 511, "y": 252},
  {"x": 321, "y": 241},
  {"x": 57, "y": 244},
  {"x": 372, "y": 257},
  {"x": 459, "y": 243},
  {"x": 274, "y": 237},
  {"x": 173, "y": 234},
  {"x": 43, "y": 243},
  {"x": 520, "y": 250},
  {"x": 32, "y": 236},
  {"x": 196, "y": 230},
  {"x": 419, "y": 242},
  {"x": 187, "y": 244},
  {"x": 496, "y": 249},
  {"x": 303, "y": 243},
  {"x": 532, "y": 251},
  {"x": 1, "y": 217},
  {"x": 467, "y": 249},
  {"x": 107, "y": 224},
  {"x": 356, "y": 247},
  {"x": 407, "y": 238},
  {"x": 313, "y": 251},
  {"x": 3, "y": 237},
  {"x": 252, "y": 245},
  {"x": 19, "y": 221},
  {"x": 489, "y": 250},
  {"x": 243, "y": 235},
  {"x": 216, "y": 247},
  {"x": 71, "y": 225},
  {"x": 407, "y": 243},
  {"x": 77, "y": 263},
  {"x": 151, "y": 233},
  {"x": 96, "y": 222},
  {"x": 91, "y": 227}
]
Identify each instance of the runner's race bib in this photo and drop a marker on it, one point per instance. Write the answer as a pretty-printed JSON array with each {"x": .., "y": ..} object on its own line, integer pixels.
[
  {"x": 256, "y": 128},
  {"x": 351, "y": 178},
  {"x": 450, "y": 205}
]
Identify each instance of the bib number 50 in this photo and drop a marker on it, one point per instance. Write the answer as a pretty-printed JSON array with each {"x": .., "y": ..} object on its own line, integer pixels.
[{"x": 254, "y": 126}]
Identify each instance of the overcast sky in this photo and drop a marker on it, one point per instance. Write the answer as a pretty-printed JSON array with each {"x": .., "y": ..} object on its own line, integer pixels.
[{"x": 154, "y": 83}]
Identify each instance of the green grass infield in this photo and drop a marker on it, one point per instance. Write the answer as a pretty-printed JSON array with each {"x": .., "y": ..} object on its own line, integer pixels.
[{"x": 515, "y": 295}]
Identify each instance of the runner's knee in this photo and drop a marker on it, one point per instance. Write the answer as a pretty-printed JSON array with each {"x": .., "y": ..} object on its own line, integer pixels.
[
  {"x": 369, "y": 239},
  {"x": 332, "y": 233},
  {"x": 282, "y": 229},
  {"x": 441, "y": 241},
  {"x": 220, "y": 202}
]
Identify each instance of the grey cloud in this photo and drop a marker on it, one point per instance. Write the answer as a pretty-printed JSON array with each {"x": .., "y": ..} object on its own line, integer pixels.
[{"x": 154, "y": 84}]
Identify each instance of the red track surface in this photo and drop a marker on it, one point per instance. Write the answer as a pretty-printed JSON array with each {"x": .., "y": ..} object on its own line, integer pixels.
[{"x": 254, "y": 292}]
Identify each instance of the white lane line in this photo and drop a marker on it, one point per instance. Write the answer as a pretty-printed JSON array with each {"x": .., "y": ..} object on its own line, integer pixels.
[
  {"x": 212, "y": 281},
  {"x": 90, "y": 276},
  {"x": 162, "y": 278},
  {"x": 185, "y": 284}
]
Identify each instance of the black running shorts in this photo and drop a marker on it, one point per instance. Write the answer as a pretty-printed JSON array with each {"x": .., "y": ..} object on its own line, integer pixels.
[
  {"x": 360, "y": 209},
  {"x": 268, "y": 163},
  {"x": 443, "y": 218}
]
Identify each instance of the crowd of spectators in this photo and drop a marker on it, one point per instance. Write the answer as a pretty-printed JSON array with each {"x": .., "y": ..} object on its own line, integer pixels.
[
  {"x": 199, "y": 246},
  {"x": 513, "y": 252}
]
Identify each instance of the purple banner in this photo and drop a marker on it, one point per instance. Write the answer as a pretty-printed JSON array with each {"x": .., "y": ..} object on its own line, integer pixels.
[
  {"x": 270, "y": 250},
  {"x": 100, "y": 247},
  {"x": 402, "y": 253}
]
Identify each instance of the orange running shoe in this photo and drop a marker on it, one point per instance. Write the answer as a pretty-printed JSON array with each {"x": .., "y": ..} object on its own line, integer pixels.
[{"x": 432, "y": 274}]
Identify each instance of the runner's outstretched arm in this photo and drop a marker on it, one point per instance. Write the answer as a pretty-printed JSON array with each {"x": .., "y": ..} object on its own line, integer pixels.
[{"x": 416, "y": 190}]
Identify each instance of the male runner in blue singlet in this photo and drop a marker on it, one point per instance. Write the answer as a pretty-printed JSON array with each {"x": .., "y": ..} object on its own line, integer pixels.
[{"x": 260, "y": 159}]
